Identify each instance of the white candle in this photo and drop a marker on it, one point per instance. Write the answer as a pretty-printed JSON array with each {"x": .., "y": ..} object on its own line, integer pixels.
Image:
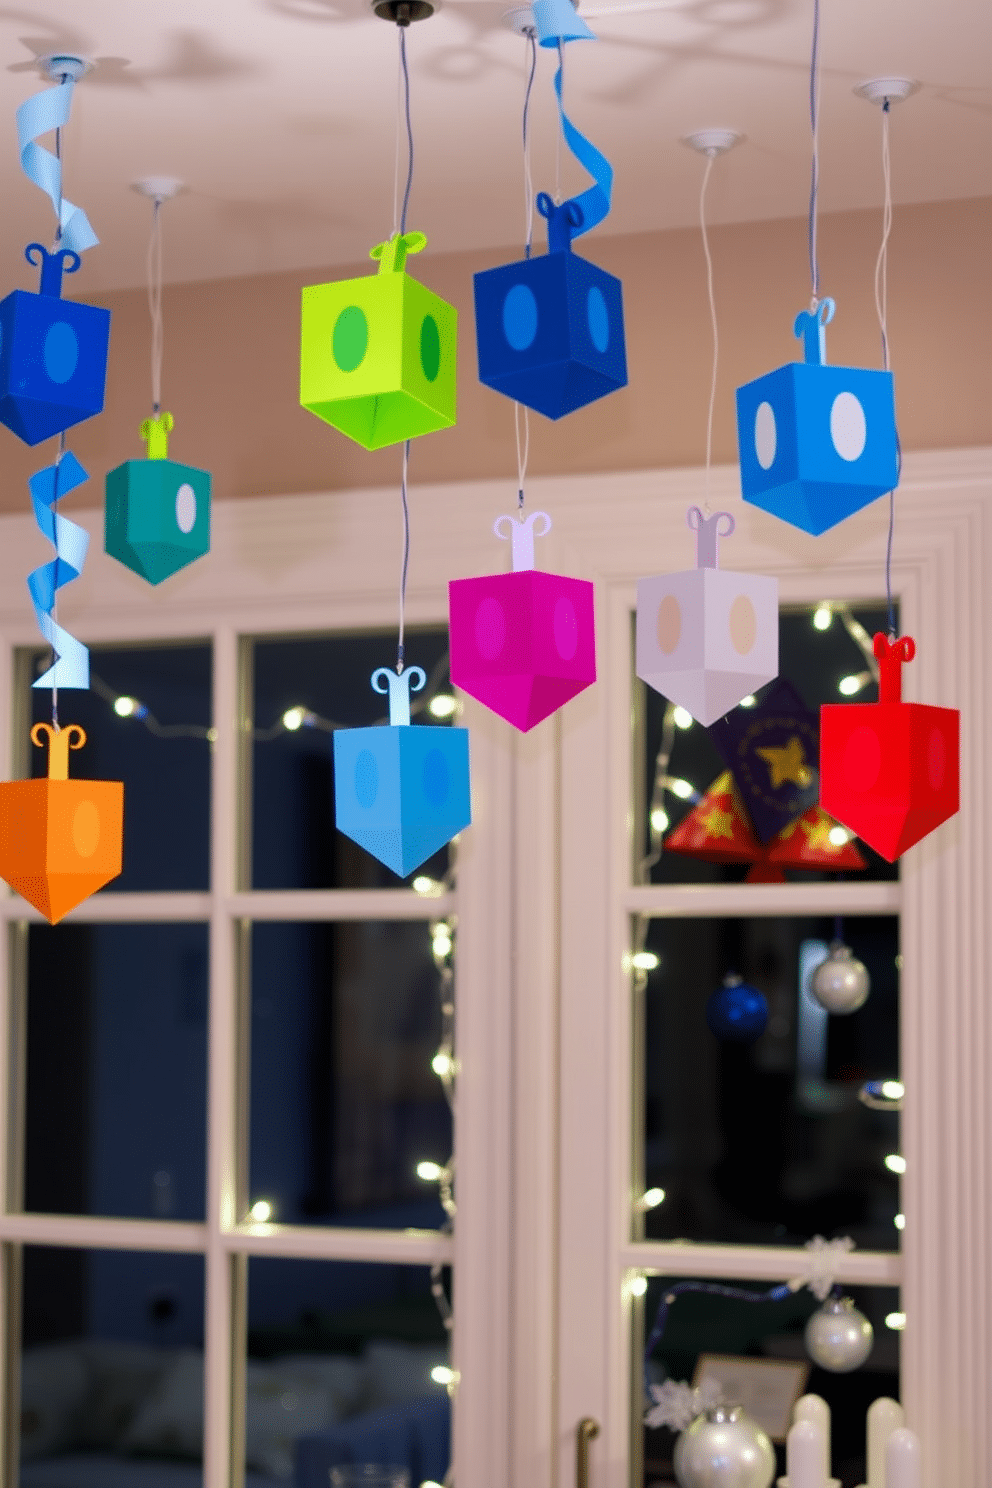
[
  {"x": 814, "y": 1408},
  {"x": 804, "y": 1454},
  {"x": 903, "y": 1464},
  {"x": 884, "y": 1417}
]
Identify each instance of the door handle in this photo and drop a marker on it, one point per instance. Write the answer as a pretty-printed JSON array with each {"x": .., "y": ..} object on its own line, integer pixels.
[{"x": 586, "y": 1431}]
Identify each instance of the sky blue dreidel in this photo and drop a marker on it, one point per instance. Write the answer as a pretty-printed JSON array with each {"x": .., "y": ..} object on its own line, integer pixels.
[
  {"x": 549, "y": 330},
  {"x": 53, "y": 353},
  {"x": 157, "y": 515},
  {"x": 816, "y": 442},
  {"x": 401, "y": 791}
]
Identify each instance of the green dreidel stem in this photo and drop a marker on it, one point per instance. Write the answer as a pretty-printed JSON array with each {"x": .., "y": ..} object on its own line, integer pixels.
[{"x": 155, "y": 432}]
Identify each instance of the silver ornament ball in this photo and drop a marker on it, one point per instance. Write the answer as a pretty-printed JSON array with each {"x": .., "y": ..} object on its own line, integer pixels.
[
  {"x": 838, "y": 1336},
  {"x": 840, "y": 983},
  {"x": 724, "y": 1449}
]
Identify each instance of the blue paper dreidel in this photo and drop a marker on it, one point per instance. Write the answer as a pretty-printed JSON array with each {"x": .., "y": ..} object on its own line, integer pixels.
[
  {"x": 377, "y": 354},
  {"x": 549, "y": 329},
  {"x": 708, "y": 637},
  {"x": 816, "y": 442},
  {"x": 53, "y": 353},
  {"x": 157, "y": 513},
  {"x": 401, "y": 791}
]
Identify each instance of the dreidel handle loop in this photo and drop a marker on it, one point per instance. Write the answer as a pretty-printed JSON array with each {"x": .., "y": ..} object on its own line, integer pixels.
[
  {"x": 707, "y": 530},
  {"x": 891, "y": 655},
  {"x": 60, "y": 741},
  {"x": 399, "y": 685},
  {"x": 521, "y": 531}
]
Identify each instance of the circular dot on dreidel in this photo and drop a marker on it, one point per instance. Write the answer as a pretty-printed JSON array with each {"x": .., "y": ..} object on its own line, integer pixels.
[
  {"x": 765, "y": 436},
  {"x": 185, "y": 508}
]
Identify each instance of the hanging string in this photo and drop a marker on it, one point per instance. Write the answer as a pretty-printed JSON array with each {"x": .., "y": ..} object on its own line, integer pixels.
[
  {"x": 559, "y": 131},
  {"x": 406, "y": 553},
  {"x": 521, "y": 416},
  {"x": 814, "y": 185},
  {"x": 154, "y": 276},
  {"x": 61, "y": 446},
  {"x": 882, "y": 310},
  {"x": 409, "y": 127},
  {"x": 710, "y": 157}
]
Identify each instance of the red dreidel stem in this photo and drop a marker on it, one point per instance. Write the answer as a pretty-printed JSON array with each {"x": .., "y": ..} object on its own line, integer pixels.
[{"x": 891, "y": 655}]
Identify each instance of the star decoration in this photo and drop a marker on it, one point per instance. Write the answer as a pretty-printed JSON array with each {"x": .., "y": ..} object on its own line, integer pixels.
[
  {"x": 718, "y": 823},
  {"x": 786, "y": 764}
]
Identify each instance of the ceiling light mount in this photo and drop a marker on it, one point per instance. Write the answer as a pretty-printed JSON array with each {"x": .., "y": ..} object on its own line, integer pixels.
[
  {"x": 887, "y": 90},
  {"x": 712, "y": 141},
  {"x": 158, "y": 188},
  {"x": 404, "y": 12},
  {"x": 56, "y": 66},
  {"x": 521, "y": 20}
]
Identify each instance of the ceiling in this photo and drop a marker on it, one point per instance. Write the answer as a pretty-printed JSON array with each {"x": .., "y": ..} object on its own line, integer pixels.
[{"x": 280, "y": 116}]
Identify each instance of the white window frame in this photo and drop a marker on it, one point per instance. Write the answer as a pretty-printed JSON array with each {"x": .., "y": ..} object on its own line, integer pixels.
[{"x": 545, "y": 1327}]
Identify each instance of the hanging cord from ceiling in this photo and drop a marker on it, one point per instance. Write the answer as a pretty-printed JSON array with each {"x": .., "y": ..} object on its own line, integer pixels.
[
  {"x": 521, "y": 415},
  {"x": 882, "y": 310},
  {"x": 814, "y": 183},
  {"x": 154, "y": 277},
  {"x": 710, "y": 158}
]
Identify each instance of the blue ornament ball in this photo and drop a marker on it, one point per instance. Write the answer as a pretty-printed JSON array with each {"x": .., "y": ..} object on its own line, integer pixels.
[{"x": 737, "y": 1011}]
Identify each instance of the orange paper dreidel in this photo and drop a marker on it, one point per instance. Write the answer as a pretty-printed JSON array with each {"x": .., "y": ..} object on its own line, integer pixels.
[{"x": 60, "y": 839}]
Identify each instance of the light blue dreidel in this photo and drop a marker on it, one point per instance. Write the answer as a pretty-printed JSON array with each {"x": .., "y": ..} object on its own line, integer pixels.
[
  {"x": 157, "y": 514},
  {"x": 817, "y": 443},
  {"x": 401, "y": 791}
]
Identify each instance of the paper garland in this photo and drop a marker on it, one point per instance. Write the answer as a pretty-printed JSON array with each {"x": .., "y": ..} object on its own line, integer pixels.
[{"x": 48, "y": 486}]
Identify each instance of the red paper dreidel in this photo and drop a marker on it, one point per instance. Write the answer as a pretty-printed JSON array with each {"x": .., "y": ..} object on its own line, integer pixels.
[
  {"x": 60, "y": 839},
  {"x": 889, "y": 770},
  {"x": 523, "y": 643}
]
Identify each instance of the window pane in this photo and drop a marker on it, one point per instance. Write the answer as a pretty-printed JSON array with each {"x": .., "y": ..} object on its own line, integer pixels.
[
  {"x": 814, "y": 662},
  {"x": 111, "y": 1369},
  {"x": 117, "y": 1070},
  {"x": 767, "y": 1143},
  {"x": 323, "y": 683},
  {"x": 346, "y": 1019},
  {"x": 699, "y": 1325},
  {"x": 162, "y": 756},
  {"x": 339, "y": 1369}
]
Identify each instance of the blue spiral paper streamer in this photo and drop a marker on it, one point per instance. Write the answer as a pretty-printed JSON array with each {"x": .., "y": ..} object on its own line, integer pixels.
[
  {"x": 39, "y": 115},
  {"x": 48, "y": 486},
  {"x": 553, "y": 31}
]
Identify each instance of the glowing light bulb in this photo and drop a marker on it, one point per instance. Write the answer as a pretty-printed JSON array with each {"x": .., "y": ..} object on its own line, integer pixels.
[
  {"x": 838, "y": 836},
  {"x": 895, "y": 1163},
  {"x": 748, "y": 702},
  {"x": 638, "y": 1286},
  {"x": 683, "y": 718},
  {"x": 682, "y": 789},
  {"x": 645, "y": 960},
  {"x": 900, "y": 1221},
  {"x": 294, "y": 718},
  {"x": 896, "y": 1321},
  {"x": 430, "y": 1172},
  {"x": 442, "y": 1375},
  {"x": 823, "y": 617},
  {"x": 659, "y": 820},
  {"x": 129, "y": 707},
  {"x": 652, "y": 1197},
  {"x": 261, "y": 1211},
  {"x": 442, "y": 1064},
  {"x": 893, "y": 1089},
  {"x": 424, "y": 885},
  {"x": 442, "y": 705},
  {"x": 849, "y": 685}
]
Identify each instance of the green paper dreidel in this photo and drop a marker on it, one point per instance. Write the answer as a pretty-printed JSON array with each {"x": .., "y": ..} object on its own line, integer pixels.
[
  {"x": 157, "y": 514},
  {"x": 377, "y": 354}
]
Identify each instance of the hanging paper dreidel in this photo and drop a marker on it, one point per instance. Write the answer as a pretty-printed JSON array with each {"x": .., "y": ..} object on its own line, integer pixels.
[
  {"x": 549, "y": 330},
  {"x": 889, "y": 770},
  {"x": 60, "y": 839},
  {"x": 817, "y": 442},
  {"x": 53, "y": 353},
  {"x": 157, "y": 516},
  {"x": 707, "y": 637},
  {"x": 401, "y": 791},
  {"x": 522, "y": 643},
  {"x": 773, "y": 751},
  {"x": 377, "y": 354}
]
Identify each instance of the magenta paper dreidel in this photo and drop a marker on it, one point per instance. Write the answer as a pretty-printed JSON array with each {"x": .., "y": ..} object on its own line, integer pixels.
[
  {"x": 707, "y": 637},
  {"x": 522, "y": 643}
]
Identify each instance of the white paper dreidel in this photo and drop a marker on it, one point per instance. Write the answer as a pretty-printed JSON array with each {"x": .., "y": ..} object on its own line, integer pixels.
[{"x": 707, "y": 637}]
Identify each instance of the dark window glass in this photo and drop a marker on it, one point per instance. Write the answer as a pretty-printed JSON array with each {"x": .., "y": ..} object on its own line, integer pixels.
[
  {"x": 699, "y": 1325},
  {"x": 814, "y": 661},
  {"x": 346, "y": 1019},
  {"x": 767, "y": 1143},
  {"x": 339, "y": 1369},
  {"x": 325, "y": 682},
  {"x": 117, "y": 1070},
  {"x": 111, "y": 1368},
  {"x": 162, "y": 755}
]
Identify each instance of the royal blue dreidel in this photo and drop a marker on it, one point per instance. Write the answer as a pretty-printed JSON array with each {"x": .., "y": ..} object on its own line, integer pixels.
[
  {"x": 817, "y": 442},
  {"x": 523, "y": 643},
  {"x": 401, "y": 791},
  {"x": 549, "y": 330},
  {"x": 53, "y": 353},
  {"x": 707, "y": 637},
  {"x": 378, "y": 354},
  {"x": 157, "y": 513}
]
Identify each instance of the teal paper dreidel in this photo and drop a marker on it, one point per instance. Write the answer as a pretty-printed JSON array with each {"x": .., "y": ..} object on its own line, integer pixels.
[
  {"x": 157, "y": 514},
  {"x": 378, "y": 354},
  {"x": 401, "y": 791}
]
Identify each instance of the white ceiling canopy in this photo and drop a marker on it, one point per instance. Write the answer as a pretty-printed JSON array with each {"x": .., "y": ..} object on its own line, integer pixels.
[{"x": 280, "y": 115}]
